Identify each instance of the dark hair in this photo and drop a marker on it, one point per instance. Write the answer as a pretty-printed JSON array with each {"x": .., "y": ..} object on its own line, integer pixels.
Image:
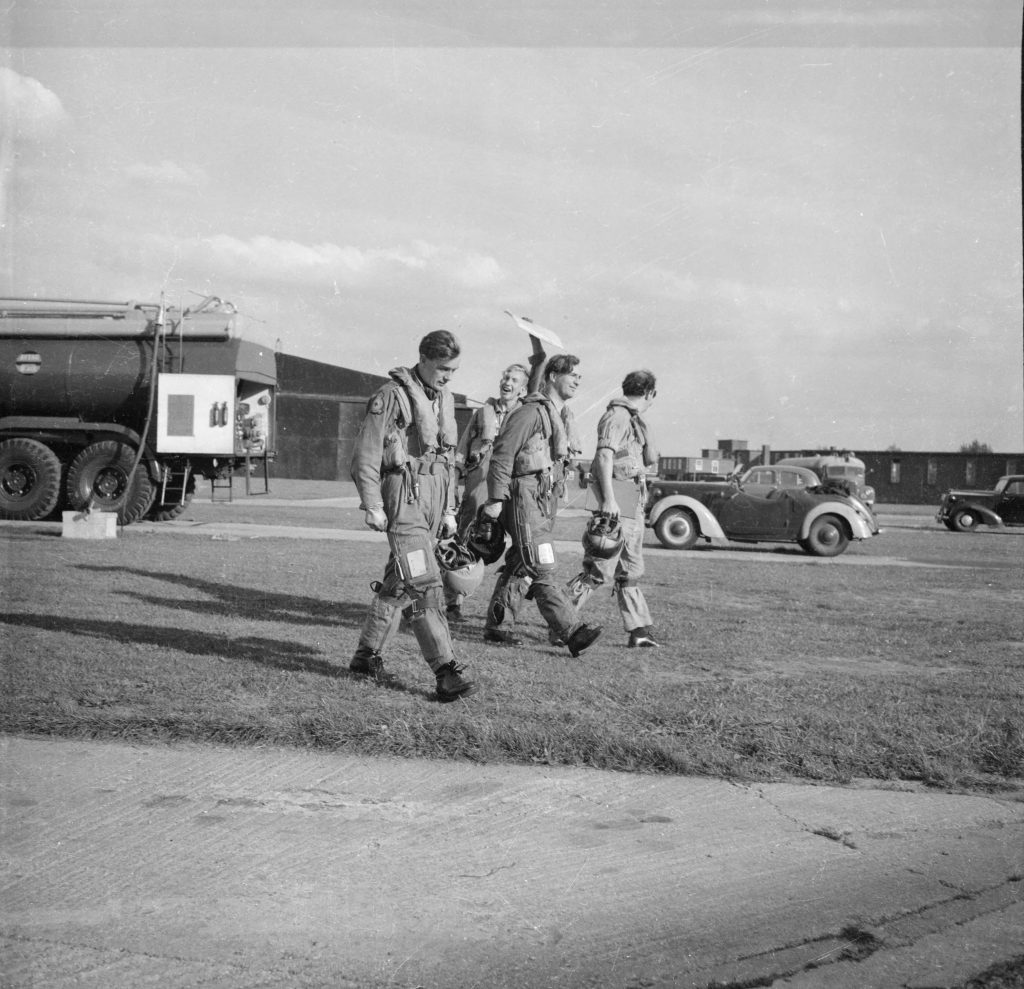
[
  {"x": 439, "y": 345},
  {"x": 638, "y": 383},
  {"x": 560, "y": 364}
]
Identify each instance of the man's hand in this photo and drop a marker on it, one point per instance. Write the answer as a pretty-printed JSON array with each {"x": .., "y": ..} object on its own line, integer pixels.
[
  {"x": 376, "y": 519},
  {"x": 610, "y": 506},
  {"x": 448, "y": 526},
  {"x": 492, "y": 509}
]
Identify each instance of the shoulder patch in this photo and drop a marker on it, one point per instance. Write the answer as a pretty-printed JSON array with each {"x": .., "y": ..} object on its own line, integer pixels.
[{"x": 376, "y": 406}]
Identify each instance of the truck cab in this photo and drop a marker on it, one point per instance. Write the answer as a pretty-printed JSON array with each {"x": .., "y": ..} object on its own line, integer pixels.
[{"x": 841, "y": 467}]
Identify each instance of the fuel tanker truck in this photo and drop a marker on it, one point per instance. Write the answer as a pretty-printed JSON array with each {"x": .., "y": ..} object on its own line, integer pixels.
[{"x": 120, "y": 407}]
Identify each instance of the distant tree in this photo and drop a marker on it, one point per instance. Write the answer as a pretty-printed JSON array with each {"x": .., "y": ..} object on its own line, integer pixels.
[
  {"x": 975, "y": 446},
  {"x": 892, "y": 448}
]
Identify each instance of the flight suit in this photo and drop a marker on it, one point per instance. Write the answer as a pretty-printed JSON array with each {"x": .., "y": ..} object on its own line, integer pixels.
[
  {"x": 474, "y": 455},
  {"x": 403, "y": 462},
  {"x": 621, "y": 430},
  {"x": 526, "y": 475}
]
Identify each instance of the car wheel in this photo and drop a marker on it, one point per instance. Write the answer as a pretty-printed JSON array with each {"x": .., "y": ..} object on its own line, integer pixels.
[
  {"x": 964, "y": 520},
  {"x": 826, "y": 537},
  {"x": 676, "y": 529}
]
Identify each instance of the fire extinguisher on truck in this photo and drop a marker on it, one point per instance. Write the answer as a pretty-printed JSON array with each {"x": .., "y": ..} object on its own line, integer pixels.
[{"x": 120, "y": 407}]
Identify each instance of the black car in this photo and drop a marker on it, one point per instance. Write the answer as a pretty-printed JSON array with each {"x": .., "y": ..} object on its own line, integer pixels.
[
  {"x": 964, "y": 511},
  {"x": 801, "y": 510}
]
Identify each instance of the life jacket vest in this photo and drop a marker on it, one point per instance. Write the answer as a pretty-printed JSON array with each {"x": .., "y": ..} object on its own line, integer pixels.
[
  {"x": 631, "y": 459},
  {"x": 545, "y": 448},
  {"x": 485, "y": 431},
  {"x": 572, "y": 433},
  {"x": 418, "y": 430}
]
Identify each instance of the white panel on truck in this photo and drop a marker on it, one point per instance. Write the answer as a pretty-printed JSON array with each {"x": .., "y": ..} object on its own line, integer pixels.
[{"x": 196, "y": 414}]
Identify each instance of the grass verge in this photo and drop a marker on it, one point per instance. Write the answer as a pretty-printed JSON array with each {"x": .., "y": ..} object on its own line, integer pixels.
[{"x": 775, "y": 666}]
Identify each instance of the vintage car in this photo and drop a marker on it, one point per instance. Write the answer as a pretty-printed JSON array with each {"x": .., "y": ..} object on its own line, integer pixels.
[
  {"x": 964, "y": 511},
  {"x": 765, "y": 504}
]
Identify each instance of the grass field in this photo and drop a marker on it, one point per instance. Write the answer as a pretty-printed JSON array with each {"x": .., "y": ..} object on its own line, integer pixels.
[{"x": 901, "y": 661}]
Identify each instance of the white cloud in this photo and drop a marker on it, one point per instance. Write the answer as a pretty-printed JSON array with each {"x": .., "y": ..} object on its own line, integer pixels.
[
  {"x": 327, "y": 264},
  {"x": 166, "y": 173},
  {"x": 27, "y": 108},
  {"x": 478, "y": 271},
  {"x": 805, "y": 302}
]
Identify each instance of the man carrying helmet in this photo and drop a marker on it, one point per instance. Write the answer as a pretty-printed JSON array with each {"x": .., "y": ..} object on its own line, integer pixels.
[
  {"x": 524, "y": 485},
  {"x": 473, "y": 456},
  {"x": 402, "y": 466},
  {"x": 613, "y": 540}
]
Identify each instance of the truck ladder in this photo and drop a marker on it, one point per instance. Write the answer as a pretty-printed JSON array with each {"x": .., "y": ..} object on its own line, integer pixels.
[{"x": 176, "y": 491}]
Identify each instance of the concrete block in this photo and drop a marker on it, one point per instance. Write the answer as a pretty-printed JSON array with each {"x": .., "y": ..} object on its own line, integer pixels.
[{"x": 89, "y": 525}]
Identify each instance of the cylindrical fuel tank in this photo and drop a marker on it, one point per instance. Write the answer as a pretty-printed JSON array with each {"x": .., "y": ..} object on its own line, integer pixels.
[
  {"x": 93, "y": 380},
  {"x": 31, "y": 318}
]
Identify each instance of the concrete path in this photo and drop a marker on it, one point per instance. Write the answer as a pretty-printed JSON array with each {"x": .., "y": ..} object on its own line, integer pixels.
[{"x": 186, "y": 866}]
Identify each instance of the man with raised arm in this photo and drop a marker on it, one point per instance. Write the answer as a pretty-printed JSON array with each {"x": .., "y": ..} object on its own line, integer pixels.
[{"x": 524, "y": 486}]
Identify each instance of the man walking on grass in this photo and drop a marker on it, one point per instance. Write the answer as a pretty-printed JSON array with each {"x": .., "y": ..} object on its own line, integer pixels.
[
  {"x": 474, "y": 457},
  {"x": 619, "y": 471},
  {"x": 524, "y": 487},
  {"x": 403, "y": 467}
]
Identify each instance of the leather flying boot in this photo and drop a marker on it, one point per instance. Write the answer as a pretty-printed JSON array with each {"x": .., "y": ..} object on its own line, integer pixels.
[
  {"x": 585, "y": 635},
  {"x": 451, "y": 684},
  {"x": 373, "y": 666}
]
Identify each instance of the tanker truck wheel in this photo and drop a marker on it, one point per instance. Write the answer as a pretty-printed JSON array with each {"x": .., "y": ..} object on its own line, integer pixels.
[
  {"x": 165, "y": 511},
  {"x": 98, "y": 477},
  {"x": 29, "y": 480}
]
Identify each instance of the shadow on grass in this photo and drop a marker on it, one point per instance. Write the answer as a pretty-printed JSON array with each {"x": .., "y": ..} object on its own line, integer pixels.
[
  {"x": 245, "y": 602},
  {"x": 266, "y": 652},
  {"x": 272, "y": 653}
]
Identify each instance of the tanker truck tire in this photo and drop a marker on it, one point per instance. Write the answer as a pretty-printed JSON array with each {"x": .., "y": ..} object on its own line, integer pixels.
[
  {"x": 98, "y": 477},
  {"x": 29, "y": 480},
  {"x": 165, "y": 511}
]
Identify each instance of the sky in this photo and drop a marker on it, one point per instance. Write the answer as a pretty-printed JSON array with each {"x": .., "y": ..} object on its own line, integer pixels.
[{"x": 804, "y": 217}]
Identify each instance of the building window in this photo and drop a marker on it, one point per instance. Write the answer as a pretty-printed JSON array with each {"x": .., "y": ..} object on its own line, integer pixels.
[
  {"x": 933, "y": 471},
  {"x": 894, "y": 472},
  {"x": 969, "y": 472}
]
